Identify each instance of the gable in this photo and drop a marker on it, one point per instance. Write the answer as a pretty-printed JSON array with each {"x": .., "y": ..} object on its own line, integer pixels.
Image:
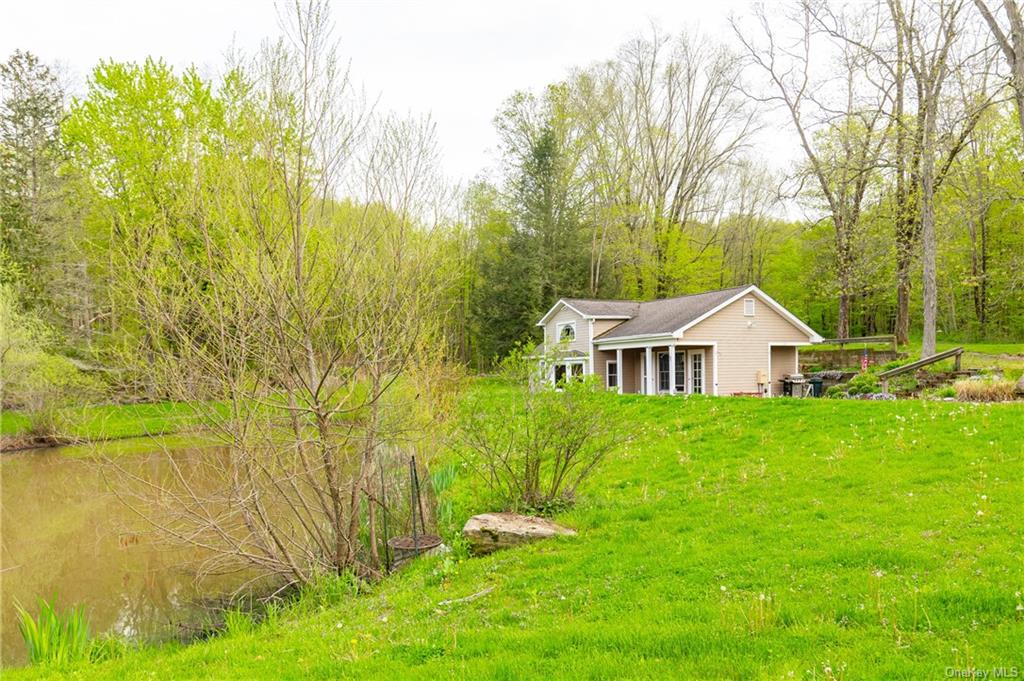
[{"x": 770, "y": 322}]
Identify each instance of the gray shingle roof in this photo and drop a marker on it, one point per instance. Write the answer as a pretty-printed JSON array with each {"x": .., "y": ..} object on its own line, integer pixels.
[
  {"x": 604, "y": 308},
  {"x": 666, "y": 315}
]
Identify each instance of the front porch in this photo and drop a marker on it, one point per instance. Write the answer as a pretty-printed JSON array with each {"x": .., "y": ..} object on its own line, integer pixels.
[{"x": 666, "y": 369}]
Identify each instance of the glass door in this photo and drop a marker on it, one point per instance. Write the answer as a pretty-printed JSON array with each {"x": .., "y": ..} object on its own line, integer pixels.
[
  {"x": 663, "y": 372},
  {"x": 697, "y": 372}
]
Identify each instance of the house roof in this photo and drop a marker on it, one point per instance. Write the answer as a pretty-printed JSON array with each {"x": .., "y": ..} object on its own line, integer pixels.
[
  {"x": 668, "y": 315},
  {"x": 603, "y": 308}
]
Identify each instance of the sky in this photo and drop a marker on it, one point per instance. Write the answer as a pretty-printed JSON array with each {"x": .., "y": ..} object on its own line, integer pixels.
[{"x": 456, "y": 60}]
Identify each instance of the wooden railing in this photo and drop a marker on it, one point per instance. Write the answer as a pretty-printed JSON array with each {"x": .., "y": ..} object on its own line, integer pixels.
[
  {"x": 842, "y": 342},
  {"x": 923, "y": 362}
]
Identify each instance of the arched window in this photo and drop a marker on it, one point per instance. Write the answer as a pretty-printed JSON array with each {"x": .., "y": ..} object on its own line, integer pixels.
[{"x": 567, "y": 332}]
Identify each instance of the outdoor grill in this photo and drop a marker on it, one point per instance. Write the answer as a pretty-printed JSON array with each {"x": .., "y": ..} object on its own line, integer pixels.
[{"x": 794, "y": 385}]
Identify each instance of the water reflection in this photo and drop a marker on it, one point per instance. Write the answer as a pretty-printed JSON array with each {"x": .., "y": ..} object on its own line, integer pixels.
[{"x": 66, "y": 537}]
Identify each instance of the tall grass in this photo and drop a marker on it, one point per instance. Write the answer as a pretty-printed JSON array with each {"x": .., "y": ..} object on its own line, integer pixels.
[
  {"x": 441, "y": 479},
  {"x": 54, "y": 637},
  {"x": 990, "y": 390}
]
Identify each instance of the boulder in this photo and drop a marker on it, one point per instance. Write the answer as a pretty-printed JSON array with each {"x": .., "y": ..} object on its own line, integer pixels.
[
  {"x": 1020, "y": 386},
  {"x": 489, "y": 532}
]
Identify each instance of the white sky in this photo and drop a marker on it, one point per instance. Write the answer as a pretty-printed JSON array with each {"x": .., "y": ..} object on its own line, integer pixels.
[{"x": 456, "y": 60}]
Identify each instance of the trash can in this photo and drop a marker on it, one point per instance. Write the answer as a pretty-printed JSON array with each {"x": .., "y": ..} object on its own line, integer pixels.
[{"x": 815, "y": 382}]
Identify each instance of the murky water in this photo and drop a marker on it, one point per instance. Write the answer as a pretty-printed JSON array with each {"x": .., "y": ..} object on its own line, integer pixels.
[{"x": 66, "y": 537}]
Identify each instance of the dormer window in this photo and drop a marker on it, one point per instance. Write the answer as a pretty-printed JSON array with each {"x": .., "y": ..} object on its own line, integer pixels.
[
  {"x": 567, "y": 332},
  {"x": 748, "y": 307}
]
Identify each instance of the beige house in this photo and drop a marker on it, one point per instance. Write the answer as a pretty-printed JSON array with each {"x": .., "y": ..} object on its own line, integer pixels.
[{"x": 734, "y": 341}]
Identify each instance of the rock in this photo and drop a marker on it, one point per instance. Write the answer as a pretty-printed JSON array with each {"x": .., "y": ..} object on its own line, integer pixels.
[
  {"x": 489, "y": 532},
  {"x": 1020, "y": 386}
]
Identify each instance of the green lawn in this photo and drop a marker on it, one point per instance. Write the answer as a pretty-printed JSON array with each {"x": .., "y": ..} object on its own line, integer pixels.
[
  {"x": 111, "y": 421},
  {"x": 732, "y": 538}
]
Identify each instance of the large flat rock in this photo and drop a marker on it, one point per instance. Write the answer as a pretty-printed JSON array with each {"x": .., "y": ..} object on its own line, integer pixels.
[{"x": 489, "y": 532}]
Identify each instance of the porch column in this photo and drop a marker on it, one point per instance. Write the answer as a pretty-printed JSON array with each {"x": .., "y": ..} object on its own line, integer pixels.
[
  {"x": 649, "y": 388},
  {"x": 672, "y": 370},
  {"x": 618, "y": 370}
]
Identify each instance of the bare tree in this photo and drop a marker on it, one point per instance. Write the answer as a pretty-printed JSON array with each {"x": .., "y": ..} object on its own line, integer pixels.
[
  {"x": 306, "y": 333},
  {"x": 929, "y": 36},
  {"x": 663, "y": 121},
  {"x": 841, "y": 125},
  {"x": 1011, "y": 46}
]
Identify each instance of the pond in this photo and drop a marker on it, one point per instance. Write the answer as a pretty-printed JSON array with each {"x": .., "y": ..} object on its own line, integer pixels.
[{"x": 66, "y": 537}]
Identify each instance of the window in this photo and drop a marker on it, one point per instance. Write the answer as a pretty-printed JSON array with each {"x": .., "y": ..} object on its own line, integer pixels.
[
  {"x": 663, "y": 371},
  {"x": 611, "y": 374},
  {"x": 748, "y": 307},
  {"x": 567, "y": 332},
  {"x": 576, "y": 370},
  {"x": 680, "y": 371},
  {"x": 559, "y": 373}
]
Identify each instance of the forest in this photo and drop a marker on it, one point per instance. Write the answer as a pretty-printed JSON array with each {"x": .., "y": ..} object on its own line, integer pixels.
[
  {"x": 251, "y": 299},
  {"x": 635, "y": 177}
]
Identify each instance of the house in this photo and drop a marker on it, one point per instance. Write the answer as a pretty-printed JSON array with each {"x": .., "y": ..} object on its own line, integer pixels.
[{"x": 732, "y": 341}]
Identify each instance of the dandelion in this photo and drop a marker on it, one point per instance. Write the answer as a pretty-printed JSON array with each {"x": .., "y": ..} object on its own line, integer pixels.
[
  {"x": 984, "y": 497},
  {"x": 980, "y": 512},
  {"x": 722, "y": 587},
  {"x": 1020, "y": 607}
]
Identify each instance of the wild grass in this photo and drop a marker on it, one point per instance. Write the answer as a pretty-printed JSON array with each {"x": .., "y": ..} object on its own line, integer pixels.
[
  {"x": 985, "y": 390},
  {"x": 884, "y": 536},
  {"x": 54, "y": 637}
]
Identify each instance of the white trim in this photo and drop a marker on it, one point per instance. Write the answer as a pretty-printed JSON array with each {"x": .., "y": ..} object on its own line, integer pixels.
[
  {"x": 631, "y": 342},
  {"x": 618, "y": 367},
  {"x": 590, "y": 342},
  {"x": 790, "y": 317},
  {"x": 649, "y": 367},
  {"x": 672, "y": 370},
  {"x": 558, "y": 332},
  {"x": 618, "y": 374}
]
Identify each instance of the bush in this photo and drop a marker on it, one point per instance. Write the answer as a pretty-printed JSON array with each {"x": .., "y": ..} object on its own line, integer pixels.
[
  {"x": 835, "y": 392},
  {"x": 534, "y": 449},
  {"x": 34, "y": 379},
  {"x": 985, "y": 390},
  {"x": 863, "y": 384}
]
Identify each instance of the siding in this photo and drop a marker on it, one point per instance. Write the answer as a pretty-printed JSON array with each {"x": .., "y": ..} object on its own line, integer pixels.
[
  {"x": 582, "y": 342},
  {"x": 783, "y": 362},
  {"x": 743, "y": 349}
]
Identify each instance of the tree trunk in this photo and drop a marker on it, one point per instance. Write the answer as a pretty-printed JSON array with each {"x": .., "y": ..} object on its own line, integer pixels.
[{"x": 928, "y": 238}]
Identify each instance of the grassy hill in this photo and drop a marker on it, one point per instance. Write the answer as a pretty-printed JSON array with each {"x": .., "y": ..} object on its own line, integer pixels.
[{"x": 732, "y": 538}]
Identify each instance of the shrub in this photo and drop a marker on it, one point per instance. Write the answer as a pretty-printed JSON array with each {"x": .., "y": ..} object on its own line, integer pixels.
[
  {"x": 863, "y": 383},
  {"x": 985, "y": 390},
  {"x": 534, "y": 449},
  {"x": 835, "y": 392},
  {"x": 54, "y": 637}
]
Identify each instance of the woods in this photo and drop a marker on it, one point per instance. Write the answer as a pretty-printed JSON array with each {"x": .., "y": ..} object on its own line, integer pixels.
[
  {"x": 636, "y": 177},
  {"x": 269, "y": 247}
]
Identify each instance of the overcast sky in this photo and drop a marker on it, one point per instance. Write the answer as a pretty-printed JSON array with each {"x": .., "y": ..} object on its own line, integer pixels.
[{"x": 457, "y": 60}]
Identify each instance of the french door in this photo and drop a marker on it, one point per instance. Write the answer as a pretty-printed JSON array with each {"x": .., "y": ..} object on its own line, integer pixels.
[
  {"x": 697, "y": 382},
  {"x": 679, "y": 368}
]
